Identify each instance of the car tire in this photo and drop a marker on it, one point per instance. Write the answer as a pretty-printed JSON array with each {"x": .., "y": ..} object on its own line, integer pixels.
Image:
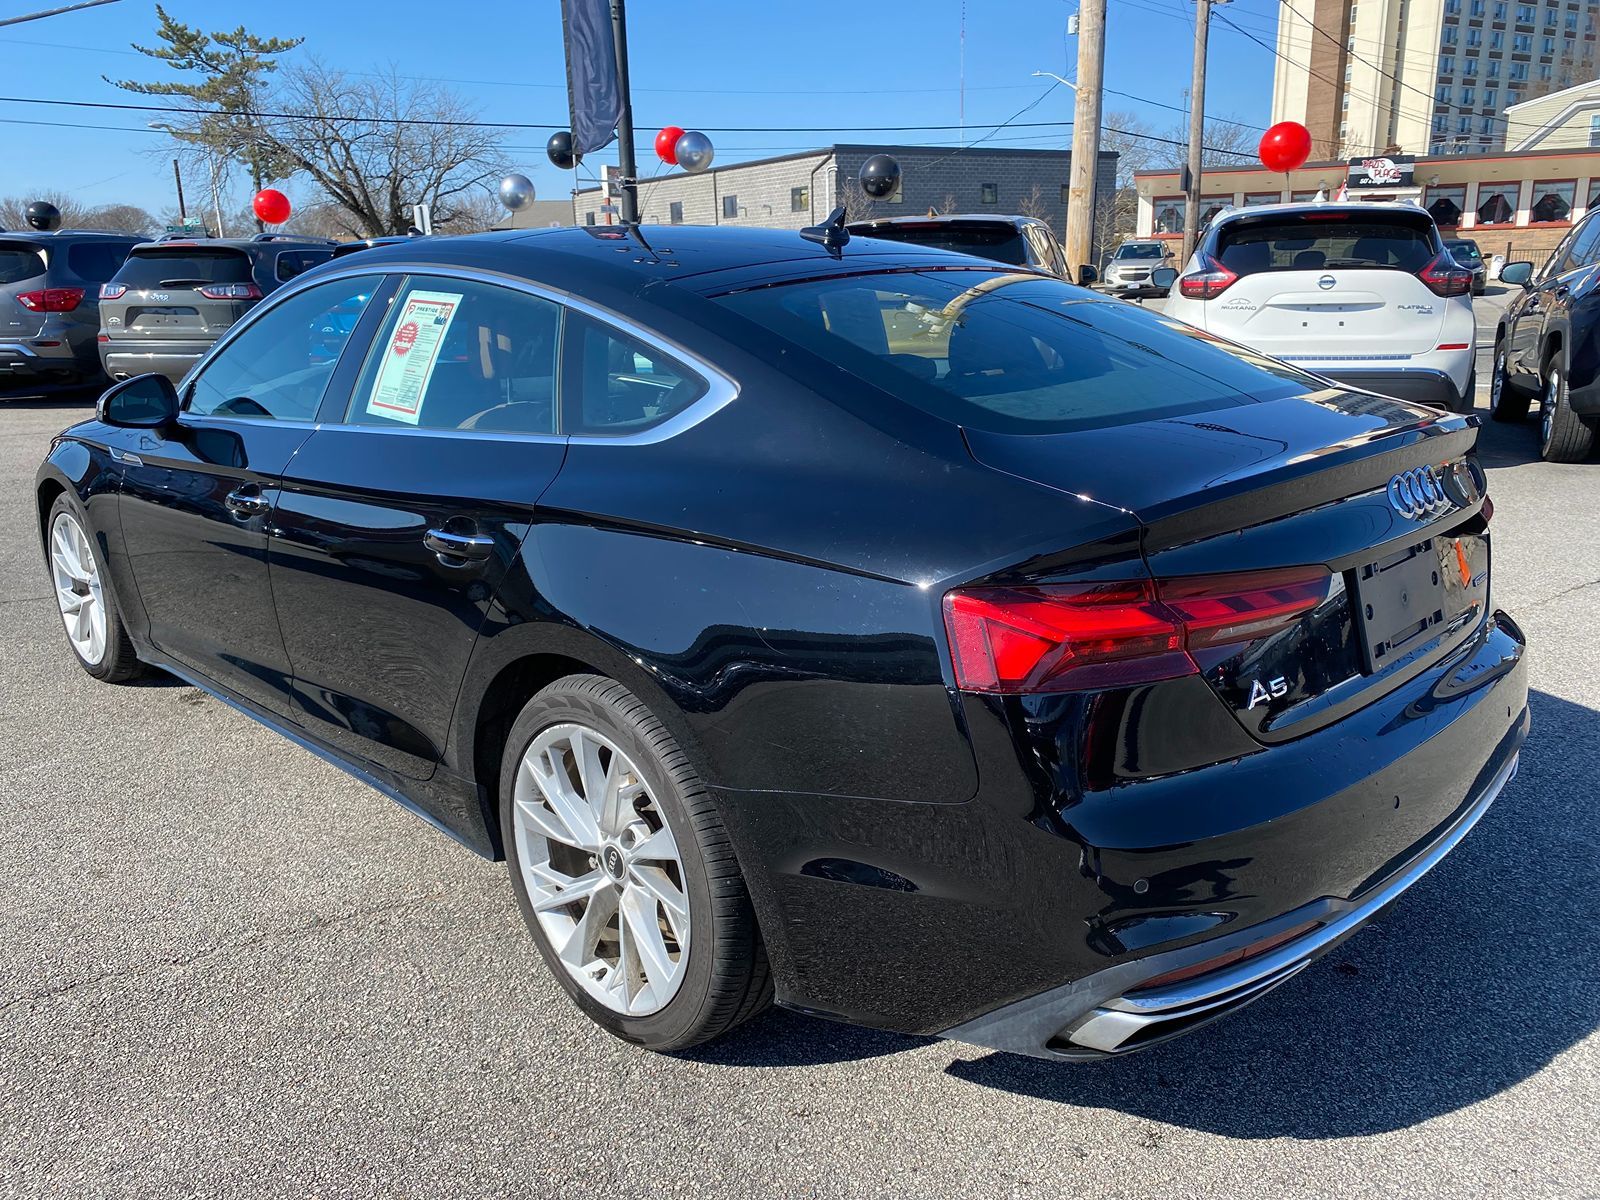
[
  {"x": 722, "y": 978},
  {"x": 85, "y": 597},
  {"x": 1505, "y": 402},
  {"x": 1564, "y": 436}
]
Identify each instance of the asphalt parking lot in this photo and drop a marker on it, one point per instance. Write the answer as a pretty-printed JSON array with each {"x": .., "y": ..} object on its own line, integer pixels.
[{"x": 227, "y": 968}]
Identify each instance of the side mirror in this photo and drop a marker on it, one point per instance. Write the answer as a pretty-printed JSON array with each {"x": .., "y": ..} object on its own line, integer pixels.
[
  {"x": 1087, "y": 275},
  {"x": 1517, "y": 272},
  {"x": 1163, "y": 278},
  {"x": 143, "y": 402}
]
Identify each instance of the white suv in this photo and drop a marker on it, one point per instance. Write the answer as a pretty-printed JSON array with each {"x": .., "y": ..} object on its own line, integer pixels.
[{"x": 1365, "y": 294}]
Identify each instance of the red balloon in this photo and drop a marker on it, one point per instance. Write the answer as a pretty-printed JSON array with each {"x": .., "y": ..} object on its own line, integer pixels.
[
  {"x": 667, "y": 145},
  {"x": 1285, "y": 146},
  {"x": 271, "y": 205}
]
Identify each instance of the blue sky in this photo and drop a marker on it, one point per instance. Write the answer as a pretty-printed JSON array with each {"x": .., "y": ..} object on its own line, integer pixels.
[{"x": 706, "y": 64}]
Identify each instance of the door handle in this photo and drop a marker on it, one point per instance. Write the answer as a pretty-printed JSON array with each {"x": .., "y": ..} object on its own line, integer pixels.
[
  {"x": 456, "y": 549},
  {"x": 247, "y": 501}
]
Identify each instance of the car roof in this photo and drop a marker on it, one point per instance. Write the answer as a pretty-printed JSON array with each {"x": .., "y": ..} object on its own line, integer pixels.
[
  {"x": 1012, "y": 221},
  {"x": 701, "y": 258},
  {"x": 274, "y": 241},
  {"x": 44, "y": 237}
]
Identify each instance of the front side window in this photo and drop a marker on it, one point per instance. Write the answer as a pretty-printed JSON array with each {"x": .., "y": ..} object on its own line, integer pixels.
[
  {"x": 278, "y": 367},
  {"x": 620, "y": 385},
  {"x": 298, "y": 262},
  {"x": 458, "y": 354},
  {"x": 1011, "y": 353}
]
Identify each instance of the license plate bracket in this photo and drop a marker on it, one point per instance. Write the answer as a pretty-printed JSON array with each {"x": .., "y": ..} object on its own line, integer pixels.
[{"x": 1399, "y": 599}]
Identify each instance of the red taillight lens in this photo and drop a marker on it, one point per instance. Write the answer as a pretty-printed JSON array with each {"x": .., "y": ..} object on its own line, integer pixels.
[
  {"x": 1080, "y": 637},
  {"x": 1444, "y": 278},
  {"x": 51, "y": 299},
  {"x": 113, "y": 291},
  {"x": 1211, "y": 280},
  {"x": 230, "y": 291}
]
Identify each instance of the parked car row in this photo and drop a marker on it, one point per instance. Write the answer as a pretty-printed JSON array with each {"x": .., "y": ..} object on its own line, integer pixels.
[{"x": 79, "y": 308}]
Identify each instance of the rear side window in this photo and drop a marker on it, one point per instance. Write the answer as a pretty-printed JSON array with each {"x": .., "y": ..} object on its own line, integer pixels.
[
  {"x": 297, "y": 262},
  {"x": 1013, "y": 353},
  {"x": 458, "y": 354},
  {"x": 1322, "y": 242},
  {"x": 999, "y": 242},
  {"x": 624, "y": 386},
  {"x": 18, "y": 263},
  {"x": 184, "y": 267},
  {"x": 97, "y": 261}
]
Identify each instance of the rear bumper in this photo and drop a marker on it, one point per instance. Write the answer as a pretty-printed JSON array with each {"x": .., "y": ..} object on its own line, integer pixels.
[
  {"x": 1418, "y": 385},
  {"x": 26, "y": 365},
  {"x": 1010, "y": 919},
  {"x": 172, "y": 359}
]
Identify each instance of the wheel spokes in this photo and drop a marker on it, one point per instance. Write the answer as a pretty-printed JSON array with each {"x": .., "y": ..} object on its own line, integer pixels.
[
  {"x": 644, "y": 935},
  {"x": 656, "y": 884},
  {"x": 550, "y": 777}
]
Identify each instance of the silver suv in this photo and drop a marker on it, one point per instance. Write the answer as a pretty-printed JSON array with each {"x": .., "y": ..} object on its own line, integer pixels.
[
  {"x": 1130, "y": 271},
  {"x": 173, "y": 298},
  {"x": 50, "y": 307}
]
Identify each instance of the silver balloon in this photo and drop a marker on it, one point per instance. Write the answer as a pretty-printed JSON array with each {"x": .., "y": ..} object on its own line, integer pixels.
[
  {"x": 516, "y": 192},
  {"x": 695, "y": 152}
]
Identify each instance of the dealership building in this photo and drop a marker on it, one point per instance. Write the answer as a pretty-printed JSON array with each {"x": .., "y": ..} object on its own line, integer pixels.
[
  {"x": 792, "y": 191},
  {"x": 1517, "y": 204}
]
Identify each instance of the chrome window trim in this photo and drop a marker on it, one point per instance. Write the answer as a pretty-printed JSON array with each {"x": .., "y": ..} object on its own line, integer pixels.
[{"x": 721, "y": 388}]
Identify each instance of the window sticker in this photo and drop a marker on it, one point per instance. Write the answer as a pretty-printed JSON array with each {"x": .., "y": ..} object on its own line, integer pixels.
[{"x": 411, "y": 355}]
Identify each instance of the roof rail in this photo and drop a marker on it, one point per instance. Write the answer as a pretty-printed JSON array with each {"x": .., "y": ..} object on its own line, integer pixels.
[{"x": 292, "y": 237}]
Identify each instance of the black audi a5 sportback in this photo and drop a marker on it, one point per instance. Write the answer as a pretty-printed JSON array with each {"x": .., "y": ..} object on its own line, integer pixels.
[{"x": 916, "y": 640}]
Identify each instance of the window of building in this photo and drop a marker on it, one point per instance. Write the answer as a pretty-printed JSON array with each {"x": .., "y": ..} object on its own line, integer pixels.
[
  {"x": 1445, "y": 203},
  {"x": 1469, "y": 68},
  {"x": 1452, "y": 8},
  {"x": 1254, "y": 198},
  {"x": 1210, "y": 206},
  {"x": 1491, "y": 97},
  {"x": 1344, "y": 102},
  {"x": 1487, "y": 125},
  {"x": 1522, "y": 43},
  {"x": 1450, "y": 35},
  {"x": 1494, "y": 68},
  {"x": 1552, "y": 201},
  {"x": 588, "y": 218},
  {"x": 1169, "y": 212},
  {"x": 1443, "y": 93},
  {"x": 1525, "y": 14},
  {"x": 1549, "y": 46},
  {"x": 989, "y": 193},
  {"x": 1519, "y": 70},
  {"x": 484, "y": 359},
  {"x": 1497, "y": 203},
  {"x": 1572, "y": 21},
  {"x": 800, "y": 199},
  {"x": 1500, "y": 8},
  {"x": 1594, "y": 130},
  {"x": 1550, "y": 18},
  {"x": 1477, "y": 8},
  {"x": 730, "y": 205},
  {"x": 1302, "y": 197},
  {"x": 675, "y": 212},
  {"x": 1349, "y": 70},
  {"x": 1497, "y": 40},
  {"x": 1544, "y": 72},
  {"x": 1447, "y": 65},
  {"x": 1474, "y": 37},
  {"x": 1463, "y": 124},
  {"x": 1438, "y": 123},
  {"x": 1468, "y": 97}
]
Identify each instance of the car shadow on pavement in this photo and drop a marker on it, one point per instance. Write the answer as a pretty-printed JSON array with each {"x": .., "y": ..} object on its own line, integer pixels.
[
  {"x": 1508, "y": 445},
  {"x": 779, "y": 1038},
  {"x": 1470, "y": 984}
]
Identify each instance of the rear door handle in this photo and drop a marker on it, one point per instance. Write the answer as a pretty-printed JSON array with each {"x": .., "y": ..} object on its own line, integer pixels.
[
  {"x": 247, "y": 501},
  {"x": 455, "y": 548}
]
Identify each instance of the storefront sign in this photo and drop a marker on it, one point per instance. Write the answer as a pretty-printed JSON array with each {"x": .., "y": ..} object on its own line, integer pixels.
[{"x": 1383, "y": 171}]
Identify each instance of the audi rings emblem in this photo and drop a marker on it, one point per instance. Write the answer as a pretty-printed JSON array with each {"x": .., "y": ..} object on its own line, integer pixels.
[{"x": 1419, "y": 493}]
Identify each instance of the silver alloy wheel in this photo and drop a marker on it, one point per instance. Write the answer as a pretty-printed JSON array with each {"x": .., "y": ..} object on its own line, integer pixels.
[
  {"x": 602, "y": 869},
  {"x": 1548, "y": 405},
  {"x": 78, "y": 589},
  {"x": 1496, "y": 379}
]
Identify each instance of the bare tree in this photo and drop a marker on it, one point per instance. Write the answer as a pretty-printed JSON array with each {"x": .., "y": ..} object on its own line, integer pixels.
[
  {"x": 1032, "y": 205},
  {"x": 118, "y": 217},
  {"x": 377, "y": 144},
  {"x": 474, "y": 212}
]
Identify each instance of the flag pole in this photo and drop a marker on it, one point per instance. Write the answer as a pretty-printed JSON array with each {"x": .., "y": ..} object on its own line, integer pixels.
[{"x": 626, "y": 161}]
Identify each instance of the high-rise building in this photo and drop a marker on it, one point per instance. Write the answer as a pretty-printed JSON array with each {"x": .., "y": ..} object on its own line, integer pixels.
[{"x": 1423, "y": 76}]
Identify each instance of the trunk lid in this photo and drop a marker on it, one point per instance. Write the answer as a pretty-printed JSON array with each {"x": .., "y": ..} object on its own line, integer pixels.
[{"x": 1285, "y": 490}]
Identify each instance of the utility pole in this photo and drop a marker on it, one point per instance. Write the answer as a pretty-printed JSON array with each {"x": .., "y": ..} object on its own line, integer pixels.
[
  {"x": 1197, "y": 127},
  {"x": 177, "y": 178},
  {"x": 625, "y": 156},
  {"x": 1085, "y": 136}
]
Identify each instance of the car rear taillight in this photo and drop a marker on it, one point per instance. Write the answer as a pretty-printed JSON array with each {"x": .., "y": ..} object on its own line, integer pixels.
[
  {"x": 1211, "y": 280},
  {"x": 113, "y": 291},
  {"x": 1444, "y": 277},
  {"x": 1080, "y": 637},
  {"x": 230, "y": 291},
  {"x": 51, "y": 299}
]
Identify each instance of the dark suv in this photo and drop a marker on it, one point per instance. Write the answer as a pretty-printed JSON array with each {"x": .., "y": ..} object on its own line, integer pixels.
[
  {"x": 1021, "y": 241},
  {"x": 1547, "y": 345},
  {"x": 50, "y": 306},
  {"x": 173, "y": 298}
]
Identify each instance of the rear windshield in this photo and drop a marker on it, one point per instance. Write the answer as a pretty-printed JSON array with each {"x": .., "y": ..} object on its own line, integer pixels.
[
  {"x": 1462, "y": 251},
  {"x": 182, "y": 266},
  {"x": 999, "y": 242},
  {"x": 1139, "y": 250},
  {"x": 18, "y": 263},
  {"x": 1324, "y": 240},
  {"x": 1013, "y": 353}
]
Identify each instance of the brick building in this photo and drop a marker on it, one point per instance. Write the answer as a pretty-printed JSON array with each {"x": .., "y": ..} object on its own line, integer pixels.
[{"x": 795, "y": 190}]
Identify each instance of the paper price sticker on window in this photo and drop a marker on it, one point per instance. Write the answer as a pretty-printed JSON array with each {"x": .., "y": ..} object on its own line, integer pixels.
[{"x": 411, "y": 355}]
